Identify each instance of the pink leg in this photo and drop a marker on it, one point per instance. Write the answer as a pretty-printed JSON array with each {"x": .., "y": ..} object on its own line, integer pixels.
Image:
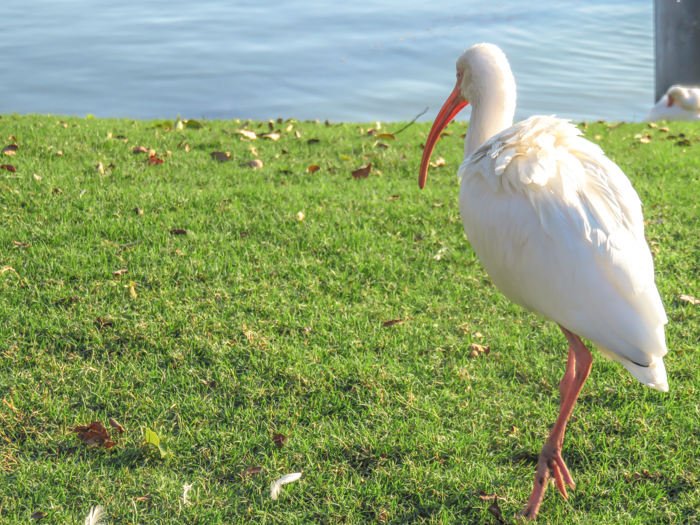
[{"x": 550, "y": 463}]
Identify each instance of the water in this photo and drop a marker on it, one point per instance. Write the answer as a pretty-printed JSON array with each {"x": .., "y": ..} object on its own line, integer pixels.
[{"x": 314, "y": 59}]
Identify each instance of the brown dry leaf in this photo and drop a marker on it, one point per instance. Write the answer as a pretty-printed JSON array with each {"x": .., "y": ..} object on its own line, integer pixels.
[
  {"x": 300, "y": 216},
  {"x": 247, "y": 133},
  {"x": 100, "y": 168},
  {"x": 689, "y": 299},
  {"x": 115, "y": 425},
  {"x": 111, "y": 165},
  {"x": 489, "y": 497},
  {"x": 495, "y": 511},
  {"x": 255, "y": 164},
  {"x": 132, "y": 289},
  {"x": 393, "y": 198},
  {"x": 290, "y": 127},
  {"x": 382, "y": 146},
  {"x": 313, "y": 141},
  {"x": 479, "y": 335},
  {"x": 153, "y": 160},
  {"x": 279, "y": 440},
  {"x": 94, "y": 434},
  {"x": 11, "y": 168},
  {"x": 475, "y": 350},
  {"x": 142, "y": 499},
  {"x": 22, "y": 244},
  {"x": 38, "y": 515},
  {"x": 653, "y": 125},
  {"x": 138, "y": 211},
  {"x": 386, "y": 136},
  {"x": 179, "y": 253},
  {"x": 438, "y": 162},
  {"x": 255, "y": 151},
  {"x": 220, "y": 156},
  {"x": 392, "y": 322},
  {"x": 11, "y": 149},
  {"x": 139, "y": 149},
  {"x": 209, "y": 384},
  {"x": 37, "y": 177},
  {"x": 684, "y": 142},
  {"x": 645, "y": 139},
  {"x": 271, "y": 136},
  {"x": 313, "y": 168},
  {"x": 251, "y": 471},
  {"x": 363, "y": 172},
  {"x": 665, "y": 129},
  {"x": 120, "y": 272},
  {"x": 57, "y": 191},
  {"x": 297, "y": 134},
  {"x": 178, "y": 231},
  {"x": 104, "y": 322},
  {"x": 59, "y": 153}
]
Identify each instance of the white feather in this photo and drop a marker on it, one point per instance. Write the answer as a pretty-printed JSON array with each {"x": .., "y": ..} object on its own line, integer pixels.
[
  {"x": 276, "y": 486},
  {"x": 95, "y": 516},
  {"x": 185, "y": 489}
]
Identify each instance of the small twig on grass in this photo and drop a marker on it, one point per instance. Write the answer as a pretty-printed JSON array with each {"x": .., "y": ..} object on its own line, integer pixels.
[{"x": 407, "y": 125}]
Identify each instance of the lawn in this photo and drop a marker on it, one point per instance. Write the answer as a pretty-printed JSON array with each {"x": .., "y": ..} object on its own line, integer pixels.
[{"x": 219, "y": 305}]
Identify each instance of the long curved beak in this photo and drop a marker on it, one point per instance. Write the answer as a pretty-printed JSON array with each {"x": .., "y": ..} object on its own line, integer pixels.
[{"x": 453, "y": 105}]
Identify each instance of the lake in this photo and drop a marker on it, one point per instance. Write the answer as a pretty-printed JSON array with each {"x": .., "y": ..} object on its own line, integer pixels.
[{"x": 314, "y": 59}]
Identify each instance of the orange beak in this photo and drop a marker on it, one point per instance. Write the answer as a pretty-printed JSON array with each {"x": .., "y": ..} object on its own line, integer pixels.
[{"x": 453, "y": 105}]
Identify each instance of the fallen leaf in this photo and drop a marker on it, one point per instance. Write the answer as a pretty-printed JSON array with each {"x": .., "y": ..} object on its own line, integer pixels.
[
  {"x": 392, "y": 322},
  {"x": 313, "y": 168},
  {"x": 254, "y": 151},
  {"x": 139, "y": 149},
  {"x": 255, "y": 164},
  {"x": 113, "y": 423},
  {"x": 38, "y": 515},
  {"x": 382, "y": 146},
  {"x": 279, "y": 440},
  {"x": 345, "y": 157},
  {"x": 142, "y": 499},
  {"x": 489, "y": 497},
  {"x": 111, "y": 165},
  {"x": 479, "y": 335},
  {"x": 271, "y": 136},
  {"x": 297, "y": 134},
  {"x": 495, "y": 511},
  {"x": 119, "y": 272},
  {"x": 138, "y": 211},
  {"x": 152, "y": 160},
  {"x": 665, "y": 129},
  {"x": 300, "y": 216},
  {"x": 363, "y": 172},
  {"x": 251, "y": 471},
  {"x": 11, "y": 168},
  {"x": 104, "y": 322},
  {"x": 57, "y": 191},
  {"x": 220, "y": 156},
  {"x": 178, "y": 231},
  {"x": 100, "y": 168},
  {"x": 438, "y": 162},
  {"x": 247, "y": 133},
  {"x": 22, "y": 244},
  {"x": 290, "y": 127},
  {"x": 653, "y": 125},
  {"x": 192, "y": 124},
  {"x": 94, "y": 434},
  {"x": 132, "y": 289},
  {"x": 393, "y": 198},
  {"x": 151, "y": 438},
  {"x": 386, "y": 136},
  {"x": 208, "y": 384},
  {"x": 689, "y": 299},
  {"x": 684, "y": 142},
  {"x": 313, "y": 141},
  {"x": 11, "y": 149},
  {"x": 475, "y": 350},
  {"x": 37, "y": 177}
]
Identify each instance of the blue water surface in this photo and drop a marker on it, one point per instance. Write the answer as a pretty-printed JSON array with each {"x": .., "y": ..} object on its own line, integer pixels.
[{"x": 318, "y": 59}]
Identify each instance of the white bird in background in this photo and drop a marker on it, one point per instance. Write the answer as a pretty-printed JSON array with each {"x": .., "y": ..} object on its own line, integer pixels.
[
  {"x": 559, "y": 229},
  {"x": 679, "y": 103}
]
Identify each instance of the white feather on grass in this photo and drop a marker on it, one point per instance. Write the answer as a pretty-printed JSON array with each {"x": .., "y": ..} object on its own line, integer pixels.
[
  {"x": 276, "y": 486},
  {"x": 95, "y": 516},
  {"x": 185, "y": 489}
]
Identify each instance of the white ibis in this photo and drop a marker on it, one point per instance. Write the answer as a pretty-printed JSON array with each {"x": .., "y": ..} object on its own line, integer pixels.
[
  {"x": 559, "y": 229},
  {"x": 679, "y": 103}
]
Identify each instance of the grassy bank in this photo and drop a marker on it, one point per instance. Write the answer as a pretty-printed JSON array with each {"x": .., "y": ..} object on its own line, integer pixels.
[{"x": 267, "y": 316}]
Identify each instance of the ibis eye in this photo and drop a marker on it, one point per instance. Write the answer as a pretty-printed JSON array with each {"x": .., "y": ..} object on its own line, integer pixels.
[{"x": 459, "y": 74}]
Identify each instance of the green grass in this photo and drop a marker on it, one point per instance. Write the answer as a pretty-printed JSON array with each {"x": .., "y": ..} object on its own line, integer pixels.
[{"x": 391, "y": 424}]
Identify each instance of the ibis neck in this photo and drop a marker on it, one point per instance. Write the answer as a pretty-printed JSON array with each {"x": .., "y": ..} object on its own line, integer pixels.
[{"x": 491, "y": 115}]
